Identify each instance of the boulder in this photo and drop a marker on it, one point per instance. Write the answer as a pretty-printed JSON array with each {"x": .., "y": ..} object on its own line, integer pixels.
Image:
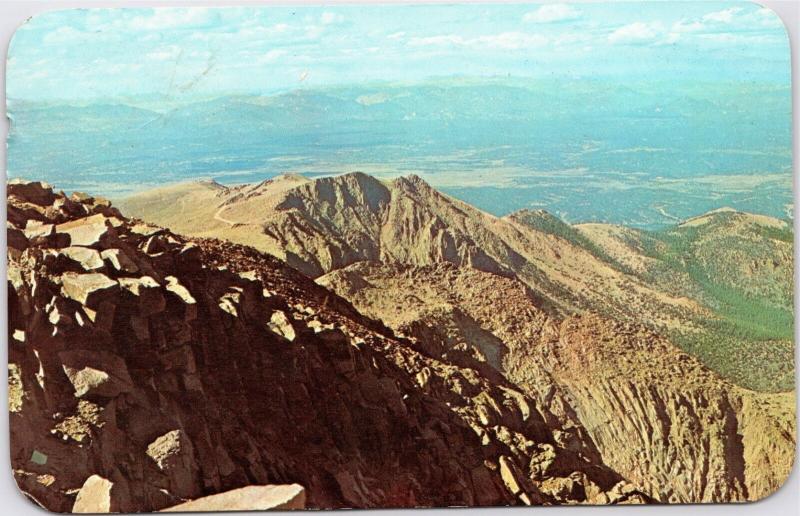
[
  {"x": 155, "y": 244},
  {"x": 319, "y": 326},
  {"x": 43, "y": 234},
  {"x": 103, "y": 315},
  {"x": 281, "y": 325},
  {"x": 69, "y": 209},
  {"x": 166, "y": 449},
  {"x": 34, "y": 192},
  {"x": 36, "y": 229},
  {"x": 57, "y": 312},
  {"x": 119, "y": 261},
  {"x": 174, "y": 286},
  {"x": 145, "y": 229},
  {"x": 88, "y": 259},
  {"x": 250, "y": 498},
  {"x": 189, "y": 258},
  {"x": 95, "y": 496},
  {"x": 15, "y": 238},
  {"x": 96, "y": 373},
  {"x": 512, "y": 479},
  {"x": 151, "y": 299},
  {"x": 542, "y": 460},
  {"x": 230, "y": 301},
  {"x": 190, "y": 303},
  {"x": 93, "y": 231},
  {"x": 82, "y": 197},
  {"x": 88, "y": 289},
  {"x": 172, "y": 453}
]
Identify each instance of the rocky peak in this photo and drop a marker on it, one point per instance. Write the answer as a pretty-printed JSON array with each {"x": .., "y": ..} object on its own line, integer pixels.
[
  {"x": 353, "y": 191},
  {"x": 412, "y": 183}
]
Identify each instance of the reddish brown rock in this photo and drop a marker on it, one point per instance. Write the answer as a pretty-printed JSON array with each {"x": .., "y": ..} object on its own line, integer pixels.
[
  {"x": 96, "y": 230},
  {"x": 96, "y": 373},
  {"x": 88, "y": 289},
  {"x": 16, "y": 238},
  {"x": 84, "y": 257},
  {"x": 119, "y": 261},
  {"x": 37, "y": 192}
]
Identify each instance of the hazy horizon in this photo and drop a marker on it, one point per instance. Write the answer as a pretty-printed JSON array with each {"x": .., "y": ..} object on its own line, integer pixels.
[
  {"x": 639, "y": 113},
  {"x": 197, "y": 51}
]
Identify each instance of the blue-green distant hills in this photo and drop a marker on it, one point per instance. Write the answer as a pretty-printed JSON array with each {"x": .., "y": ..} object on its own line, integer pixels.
[{"x": 642, "y": 154}]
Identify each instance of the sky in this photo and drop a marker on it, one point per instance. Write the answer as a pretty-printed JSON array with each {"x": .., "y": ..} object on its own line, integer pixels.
[{"x": 190, "y": 53}]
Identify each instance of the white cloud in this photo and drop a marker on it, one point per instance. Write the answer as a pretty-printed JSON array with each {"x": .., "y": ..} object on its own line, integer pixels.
[
  {"x": 314, "y": 31},
  {"x": 396, "y": 35},
  {"x": 503, "y": 41},
  {"x": 436, "y": 41},
  {"x": 329, "y": 18},
  {"x": 637, "y": 32},
  {"x": 38, "y": 74},
  {"x": 272, "y": 56},
  {"x": 551, "y": 13},
  {"x": 767, "y": 18},
  {"x": 510, "y": 41},
  {"x": 167, "y": 53},
  {"x": 171, "y": 18},
  {"x": 62, "y": 35},
  {"x": 724, "y": 16},
  {"x": 687, "y": 26},
  {"x": 740, "y": 39},
  {"x": 569, "y": 38},
  {"x": 736, "y": 18}
]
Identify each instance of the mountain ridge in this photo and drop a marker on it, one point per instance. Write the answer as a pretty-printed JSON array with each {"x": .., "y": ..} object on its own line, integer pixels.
[{"x": 412, "y": 222}]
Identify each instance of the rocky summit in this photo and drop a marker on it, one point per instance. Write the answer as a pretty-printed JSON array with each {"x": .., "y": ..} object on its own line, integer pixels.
[{"x": 150, "y": 371}]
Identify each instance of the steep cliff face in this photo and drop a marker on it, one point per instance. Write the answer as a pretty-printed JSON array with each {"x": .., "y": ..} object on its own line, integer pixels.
[
  {"x": 657, "y": 414},
  {"x": 666, "y": 422},
  {"x": 175, "y": 369}
]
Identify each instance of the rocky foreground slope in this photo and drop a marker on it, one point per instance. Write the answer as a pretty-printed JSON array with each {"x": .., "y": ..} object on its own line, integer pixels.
[{"x": 173, "y": 369}]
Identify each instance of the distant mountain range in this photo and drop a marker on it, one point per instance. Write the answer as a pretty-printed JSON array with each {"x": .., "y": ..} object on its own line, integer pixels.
[{"x": 479, "y": 140}]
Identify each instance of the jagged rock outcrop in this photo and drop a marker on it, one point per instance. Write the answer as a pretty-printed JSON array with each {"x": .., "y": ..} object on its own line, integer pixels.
[{"x": 165, "y": 375}]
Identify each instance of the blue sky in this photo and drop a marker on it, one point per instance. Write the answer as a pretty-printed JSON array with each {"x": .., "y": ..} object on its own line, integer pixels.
[{"x": 183, "y": 54}]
